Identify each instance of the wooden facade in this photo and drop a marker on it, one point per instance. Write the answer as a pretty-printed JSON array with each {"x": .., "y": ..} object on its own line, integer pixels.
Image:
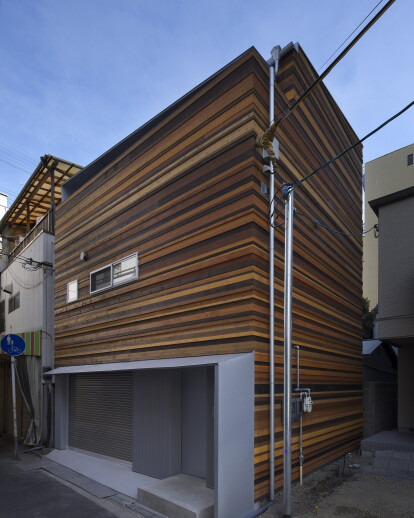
[{"x": 184, "y": 191}]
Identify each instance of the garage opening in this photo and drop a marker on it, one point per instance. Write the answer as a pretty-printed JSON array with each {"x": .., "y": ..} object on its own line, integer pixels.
[
  {"x": 100, "y": 414},
  {"x": 174, "y": 419}
]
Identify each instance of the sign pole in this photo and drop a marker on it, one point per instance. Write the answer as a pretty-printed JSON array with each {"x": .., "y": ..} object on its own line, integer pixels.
[
  {"x": 13, "y": 345},
  {"x": 16, "y": 448}
]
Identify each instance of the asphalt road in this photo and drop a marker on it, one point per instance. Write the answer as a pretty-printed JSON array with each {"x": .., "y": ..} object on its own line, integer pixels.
[
  {"x": 29, "y": 491},
  {"x": 33, "y": 494}
]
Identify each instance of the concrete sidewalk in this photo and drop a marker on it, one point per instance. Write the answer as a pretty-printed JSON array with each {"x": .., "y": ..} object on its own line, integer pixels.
[{"x": 34, "y": 486}]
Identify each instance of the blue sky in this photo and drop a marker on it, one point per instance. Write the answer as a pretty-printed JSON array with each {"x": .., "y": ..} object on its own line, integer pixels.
[{"x": 78, "y": 76}]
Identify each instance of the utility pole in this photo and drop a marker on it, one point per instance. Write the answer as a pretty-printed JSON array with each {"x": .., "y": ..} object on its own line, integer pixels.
[{"x": 287, "y": 371}]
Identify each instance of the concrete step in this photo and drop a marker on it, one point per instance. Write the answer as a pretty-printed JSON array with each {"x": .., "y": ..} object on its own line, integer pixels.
[
  {"x": 180, "y": 496},
  {"x": 389, "y": 440},
  {"x": 391, "y": 460}
]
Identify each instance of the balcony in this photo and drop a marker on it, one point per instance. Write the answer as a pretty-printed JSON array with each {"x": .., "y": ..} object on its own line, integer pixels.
[{"x": 44, "y": 225}]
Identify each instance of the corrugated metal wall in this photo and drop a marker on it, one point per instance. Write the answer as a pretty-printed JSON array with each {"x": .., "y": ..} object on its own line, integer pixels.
[
  {"x": 100, "y": 413},
  {"x": 157, "y": 421}
]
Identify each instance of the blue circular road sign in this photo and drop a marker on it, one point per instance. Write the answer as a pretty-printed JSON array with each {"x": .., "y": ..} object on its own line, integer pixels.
[{"x": 13, "y": 345}]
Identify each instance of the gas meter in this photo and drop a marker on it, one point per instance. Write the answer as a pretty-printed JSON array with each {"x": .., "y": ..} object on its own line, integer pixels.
[{"x": 307, "y": 403}]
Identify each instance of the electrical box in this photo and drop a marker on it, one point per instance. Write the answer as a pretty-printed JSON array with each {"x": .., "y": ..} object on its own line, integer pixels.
[{"x": 296, "y": 409}]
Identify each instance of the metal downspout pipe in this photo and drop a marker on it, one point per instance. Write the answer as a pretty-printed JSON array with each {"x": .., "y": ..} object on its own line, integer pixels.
[
  {"x": 287, "y": 376},
  {"x": 273, "y": 68}
]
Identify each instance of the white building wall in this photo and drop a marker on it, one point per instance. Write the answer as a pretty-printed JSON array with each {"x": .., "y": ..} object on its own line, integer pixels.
[
  {"x": 3, "y": 204},
  {"x": 36, "y": 294}
]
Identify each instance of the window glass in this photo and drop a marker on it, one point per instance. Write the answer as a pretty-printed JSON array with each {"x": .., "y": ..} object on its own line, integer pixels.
[
  {"x": 72, "y": 291},
  {"x": 410, "y": 159},
  {"x": 125, "y": 270},
  {"x": 2, "y": 316},
  {"x": 101, "y": 279},
  {"x": 14, "y": 302},
  {"x": 115, "y": 274}
]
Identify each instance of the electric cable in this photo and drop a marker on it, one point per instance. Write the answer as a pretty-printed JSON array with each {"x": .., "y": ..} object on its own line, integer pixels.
[
  {"x": 349, "y": 148},
  {"x": 318, "y": 224},
  {"x": 265, "y": 139},
  {"x": 15, "y": 166},
  {"x": 340, "y": 46},
  {"x": 18, "y": 154},
  {"x": 352, "y": 33},
  {"x": 7, "y": 155},
  {"x": 6, "y": 190},
  {"x": 27, "y": 287},
  {"x": 360, "y": 141}
]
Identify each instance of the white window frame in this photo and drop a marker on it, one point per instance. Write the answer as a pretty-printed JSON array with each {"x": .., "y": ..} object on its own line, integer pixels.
[
  {"x": 111, "y": 266},
  {"x": 67, "y": 291}
]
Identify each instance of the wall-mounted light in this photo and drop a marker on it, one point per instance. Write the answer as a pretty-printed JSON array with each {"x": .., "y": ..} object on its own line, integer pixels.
[
  {"x": 83, "y": 256},
  {"x": 8, "y": 289}
]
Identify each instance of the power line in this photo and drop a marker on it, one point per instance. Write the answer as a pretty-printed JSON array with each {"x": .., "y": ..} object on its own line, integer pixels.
[
  {"x": 17, "y": 153},
  {"x": 265, "y": 139},
  {"x": 318, "y": 224},
  {"x": 6, "y": 190},
  {"x": 299, "y": 182},
  {"x": 341, "y": 45},
  {"x": 334, "y": 63},
  {"x": 15, "y": 158},
  {"x": 27, "y": 287},
  {"x": 353, "y": 145},
  {"x": 352, "y": 33},
  {"x": 15, "y": 166}
]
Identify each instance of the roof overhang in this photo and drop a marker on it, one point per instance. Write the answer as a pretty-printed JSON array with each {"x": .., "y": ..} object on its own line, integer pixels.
[
  {"x": 35, "y": 198},
  {"x": 390, "y": 198},
  {"x": 164, "y": 363}
]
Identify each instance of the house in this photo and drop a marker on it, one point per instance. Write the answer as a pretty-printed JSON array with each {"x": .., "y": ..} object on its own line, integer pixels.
[
  {"x": 162, "y": 291},
  {"x": 26, "y": 298},
  {"x": 395, "y": 288},
  {"x": 385, "y": 175}
]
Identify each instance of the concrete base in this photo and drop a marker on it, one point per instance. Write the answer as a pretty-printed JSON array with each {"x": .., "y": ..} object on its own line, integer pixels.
[
  {"x": 180, "y": 496},
  {"x": 390, "y": 451},
  {"x": 389, "y": 440},
  {"x": 111, "y": 474}
]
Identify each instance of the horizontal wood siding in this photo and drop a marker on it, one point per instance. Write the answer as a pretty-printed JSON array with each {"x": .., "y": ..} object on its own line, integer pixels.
[{"x": 187, "y": 197}]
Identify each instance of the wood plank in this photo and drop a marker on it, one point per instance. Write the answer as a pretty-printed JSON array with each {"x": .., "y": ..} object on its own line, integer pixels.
[{"x": 186, "y": 195}]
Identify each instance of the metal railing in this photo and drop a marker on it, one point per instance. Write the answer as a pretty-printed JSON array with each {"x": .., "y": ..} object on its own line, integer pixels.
[{"x": 44, "y": 225}]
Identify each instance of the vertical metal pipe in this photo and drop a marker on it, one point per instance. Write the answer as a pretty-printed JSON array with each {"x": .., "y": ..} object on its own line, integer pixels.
[
  {"x": 287, "y": 375},
  {"x": 300, "y": 420},
  {"x": 272, "y": 293},
  {"x": 300, "y": 452},
  {"x": 297, "y": 366},
  {"x": 16, "y": 448},
  {"x": 273, "y": 68},
  {"x": 52, "y": 196},
  {"x": 27, "y": 217}
]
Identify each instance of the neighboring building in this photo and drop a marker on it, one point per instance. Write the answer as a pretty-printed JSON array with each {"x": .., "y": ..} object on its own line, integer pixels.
[
  {"x": 387, "y": 180},
  {"x": 161, "y": 292},
  {"x": 380, "y": 364},
  {"x": 26, "y": 297},
  {"x": 396, "y": 289},
  {"x": 383, "y": 176},
  {"x": 3, "y": 204}
]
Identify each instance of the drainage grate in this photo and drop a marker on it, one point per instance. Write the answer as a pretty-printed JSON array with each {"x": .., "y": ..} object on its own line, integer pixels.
[{"x": 146, "y": 512}]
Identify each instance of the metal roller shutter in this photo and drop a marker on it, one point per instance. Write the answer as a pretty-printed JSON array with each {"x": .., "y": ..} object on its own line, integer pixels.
[{"x": 100, "y": 413}]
